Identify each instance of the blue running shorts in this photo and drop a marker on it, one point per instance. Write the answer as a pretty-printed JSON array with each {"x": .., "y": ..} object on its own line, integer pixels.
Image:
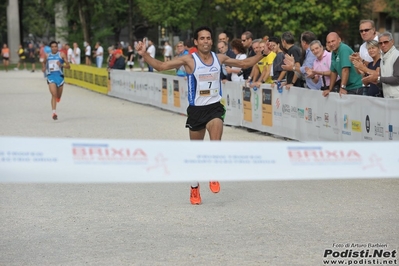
[{"x": 57, "y": 79}]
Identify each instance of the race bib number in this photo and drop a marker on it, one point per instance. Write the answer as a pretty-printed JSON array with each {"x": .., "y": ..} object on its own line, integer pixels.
[
  {"x": 53, "y": 66},
  {"x": 5, "y": 55},
  {"x": 208, "y": 84}
]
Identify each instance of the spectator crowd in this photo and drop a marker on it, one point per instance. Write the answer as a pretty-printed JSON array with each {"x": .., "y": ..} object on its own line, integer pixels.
[
  {"x": 334, "y": 68},
  {"x": 373, "y": 71}
]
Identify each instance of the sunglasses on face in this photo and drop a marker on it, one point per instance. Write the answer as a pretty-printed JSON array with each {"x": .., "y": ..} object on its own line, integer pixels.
[
  {"x": 365, "y": 30},
  {"x": 384, "y": 42}
]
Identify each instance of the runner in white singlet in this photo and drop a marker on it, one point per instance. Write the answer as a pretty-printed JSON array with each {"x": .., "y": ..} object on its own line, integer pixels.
[{"x": 205, "y": 112}]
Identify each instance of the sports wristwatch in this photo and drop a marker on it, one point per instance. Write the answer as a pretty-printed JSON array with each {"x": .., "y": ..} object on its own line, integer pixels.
[{"x": 263, "y": 53}]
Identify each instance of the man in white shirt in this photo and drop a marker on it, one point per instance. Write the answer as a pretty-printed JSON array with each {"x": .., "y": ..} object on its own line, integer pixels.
[
  {"x": 87, "y": 53},
  {"x": 99, "y": 55},
  {"x": 167, "y": 52},
  {"x": 151, "y": 51},
  {"x": 69, "y": 54},
  {"x": 76, "y": 54},
  {"x": 368, "y": 33}
]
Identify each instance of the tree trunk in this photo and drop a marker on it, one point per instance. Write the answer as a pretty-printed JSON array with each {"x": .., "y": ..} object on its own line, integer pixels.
[
  {"x": 130, "y": 23},
  {"x": 117, "y": 33},
  {"x": 83, "y": 20}
]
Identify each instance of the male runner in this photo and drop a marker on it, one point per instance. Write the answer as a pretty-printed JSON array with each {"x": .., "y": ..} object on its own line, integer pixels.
[
  {"x": 205, "y": 112},
  {"x": 54, "y": 64}
]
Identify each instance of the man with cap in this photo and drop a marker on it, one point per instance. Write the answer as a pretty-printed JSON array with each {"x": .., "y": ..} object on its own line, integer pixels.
[{"x": 119, "y": 60}]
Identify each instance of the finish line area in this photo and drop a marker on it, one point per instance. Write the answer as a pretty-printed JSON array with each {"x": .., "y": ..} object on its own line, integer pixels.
[
  {"x": 91, "y": 161},
  {"x": 104, "y": 139},
  {"x": 108, "y": 183}
]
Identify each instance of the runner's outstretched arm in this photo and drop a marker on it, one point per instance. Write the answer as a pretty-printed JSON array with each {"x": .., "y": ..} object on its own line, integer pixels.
[
  {"x": 246, "y": 63},
  {"x": 159, "y": 65}
]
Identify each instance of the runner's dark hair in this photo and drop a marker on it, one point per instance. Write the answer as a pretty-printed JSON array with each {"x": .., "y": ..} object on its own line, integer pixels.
[
  {"x": 52, "y": 42},
  {"x": 201, "y": 29}
]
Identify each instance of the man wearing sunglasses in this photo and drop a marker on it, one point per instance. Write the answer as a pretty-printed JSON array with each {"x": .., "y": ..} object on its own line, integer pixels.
[
  {"x": 368, "y": 33},
  {"x": 246, "y": 39},
  {"x": 389, "y": 68}
]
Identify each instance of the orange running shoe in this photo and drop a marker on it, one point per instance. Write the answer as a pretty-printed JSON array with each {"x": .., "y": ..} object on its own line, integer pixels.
[
  {"x": 214, "y": 186},
  {"x": 55, "y": 117},
  {"x": 195, "y": 197},
  {"x": 58, "y": 100}
]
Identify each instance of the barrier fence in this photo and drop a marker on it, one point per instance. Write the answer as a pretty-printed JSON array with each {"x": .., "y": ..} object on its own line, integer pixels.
[
  {"x": 298, "y": 113},
  {"x": 92, "y": 78}
]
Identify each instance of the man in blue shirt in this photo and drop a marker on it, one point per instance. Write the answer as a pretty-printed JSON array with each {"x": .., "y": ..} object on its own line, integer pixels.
[{"x": 306, "y": 38}]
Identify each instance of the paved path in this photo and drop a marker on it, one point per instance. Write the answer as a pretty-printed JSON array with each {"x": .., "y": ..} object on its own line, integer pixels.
[{"x": 247, "y": 223}]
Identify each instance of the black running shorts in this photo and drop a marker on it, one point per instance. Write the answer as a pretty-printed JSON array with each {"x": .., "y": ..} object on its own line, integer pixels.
[{"x": 199, "y": 116}]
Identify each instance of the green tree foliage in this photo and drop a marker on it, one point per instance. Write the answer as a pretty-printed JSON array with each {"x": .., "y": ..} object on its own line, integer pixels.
[
  {"x": 3, "y": 21},
  {"x": 109, "y": 16},
  {"x": 98, "y": 20},
  {"x": 179, "y": 14},
  {"x": 37, "y": 19},
  {"x": 296, "y": 16},
  {"x": 94, "y": 20},
  {"x": 392, "y": 8}
]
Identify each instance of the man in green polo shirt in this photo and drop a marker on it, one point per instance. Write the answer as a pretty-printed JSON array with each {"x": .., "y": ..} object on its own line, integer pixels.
[{"x": 351, "y": 81}]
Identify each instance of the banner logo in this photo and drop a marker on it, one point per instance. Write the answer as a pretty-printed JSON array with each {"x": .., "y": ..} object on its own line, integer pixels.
[
  {"x": 379, "y": 130},
  {"x": 105, "y": 154},
  {"x": 319, "y": 155},
  {"x": 346, "y": 126},
  {"x": 301, "y": 113},
  {"x": 356, "y": 126},
  {"x": 286, "y": 109},
  {"x": 367, "y": 123},
  {"x": 278, "y": 103},
  {"x": 309, "y": 114}
]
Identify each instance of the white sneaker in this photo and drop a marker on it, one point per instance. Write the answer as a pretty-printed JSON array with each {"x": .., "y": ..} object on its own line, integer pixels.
[{"x": 16, "y": 69}]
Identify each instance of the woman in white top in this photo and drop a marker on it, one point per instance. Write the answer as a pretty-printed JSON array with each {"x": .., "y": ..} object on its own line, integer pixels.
[
  {"x": 98, "y": 54},
  {"x": 87, "y": 53},
  {"x": 76, "y": 53},
  {"x": 238, "y": 48}
]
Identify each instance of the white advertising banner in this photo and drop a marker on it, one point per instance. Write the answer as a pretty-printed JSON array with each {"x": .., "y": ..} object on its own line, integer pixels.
[
  {"x": 306, "y": 115},
  {"x": 163, "y": 91},
  {"x": 232, "y": 100},
  {"x": 298, "y": 113},
  {"x": 103, "y": 160}
]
